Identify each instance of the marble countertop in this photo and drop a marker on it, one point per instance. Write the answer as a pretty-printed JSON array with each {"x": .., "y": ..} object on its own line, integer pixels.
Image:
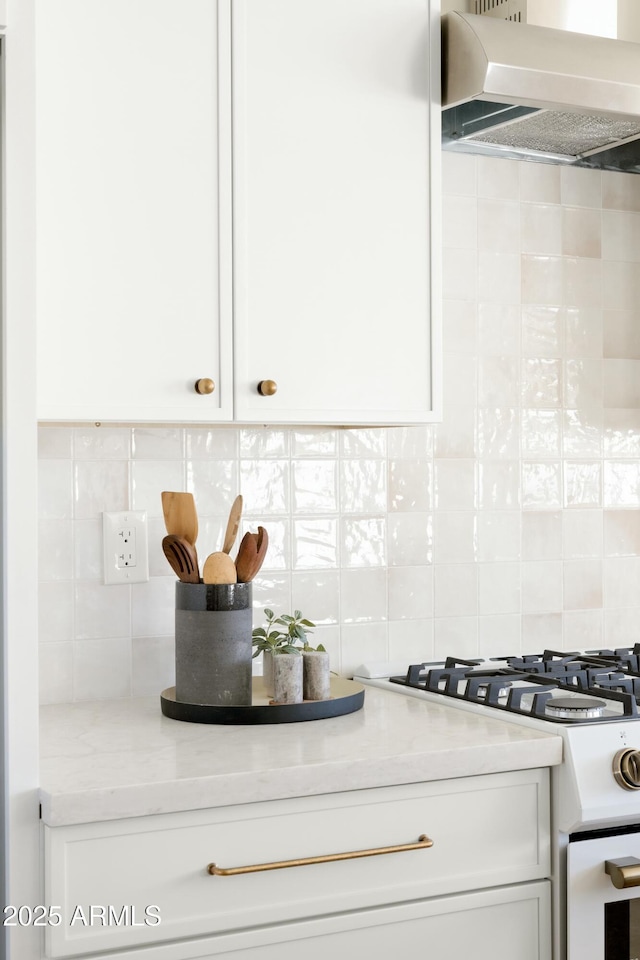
[{"x": 105, "y": 760}]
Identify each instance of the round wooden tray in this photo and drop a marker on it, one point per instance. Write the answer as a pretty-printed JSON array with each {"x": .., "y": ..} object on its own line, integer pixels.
[{"x": 346, "y": 697}]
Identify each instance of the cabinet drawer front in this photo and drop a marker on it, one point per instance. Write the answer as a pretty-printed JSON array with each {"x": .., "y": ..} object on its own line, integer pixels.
[{"x": 105, "y": 877}]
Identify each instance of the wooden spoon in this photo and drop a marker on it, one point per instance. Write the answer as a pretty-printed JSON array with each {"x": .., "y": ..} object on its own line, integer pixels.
[
  {"x": 219, "y": 568},
  {"x": 246, "y": 558},
  {"x": 233, "y": 524},
  {"x": 182, "y": 557},
  {"x": 180, "y": 517},
  {"x": 251, "y": 554}
]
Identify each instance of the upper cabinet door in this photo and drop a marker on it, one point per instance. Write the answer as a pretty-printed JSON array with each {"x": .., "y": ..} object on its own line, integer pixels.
[
  {"x": 336, "y": 146},
  {"x": 134, "y": 297}
]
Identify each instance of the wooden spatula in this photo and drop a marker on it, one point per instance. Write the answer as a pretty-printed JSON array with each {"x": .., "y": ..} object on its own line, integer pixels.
[
  {"x": 233, "y": 523},
  {"x": 180, "y": 517},
  {"x": 182, "y": 557}
]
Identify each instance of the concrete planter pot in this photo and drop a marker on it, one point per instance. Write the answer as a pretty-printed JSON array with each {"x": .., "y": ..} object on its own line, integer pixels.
[
  {"x": 287, "y": 678},
  {"x": 316, "y": 675},
  {"x": 213, "y": 627}
]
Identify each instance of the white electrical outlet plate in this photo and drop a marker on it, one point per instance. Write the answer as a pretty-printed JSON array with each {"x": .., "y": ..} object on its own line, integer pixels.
[{"x": 126, "y": 549}]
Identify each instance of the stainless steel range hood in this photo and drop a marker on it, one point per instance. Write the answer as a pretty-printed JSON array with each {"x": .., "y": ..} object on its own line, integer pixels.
[{"x": 521, "y": 90}]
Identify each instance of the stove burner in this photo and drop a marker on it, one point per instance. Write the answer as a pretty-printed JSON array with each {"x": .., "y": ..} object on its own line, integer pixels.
[{"x": 575, "y": 708}]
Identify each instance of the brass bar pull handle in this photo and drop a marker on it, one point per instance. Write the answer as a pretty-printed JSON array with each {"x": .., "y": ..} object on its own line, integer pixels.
[
  {"x": 624, "y": 872},
  {"x": 423, "y": 843}
]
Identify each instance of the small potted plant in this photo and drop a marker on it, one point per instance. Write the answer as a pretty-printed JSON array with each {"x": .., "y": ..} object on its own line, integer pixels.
[{"x": 281, "y": 642}]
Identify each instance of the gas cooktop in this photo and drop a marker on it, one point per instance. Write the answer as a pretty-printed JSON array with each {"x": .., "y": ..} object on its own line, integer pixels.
[{"x": 566, "y": 688}]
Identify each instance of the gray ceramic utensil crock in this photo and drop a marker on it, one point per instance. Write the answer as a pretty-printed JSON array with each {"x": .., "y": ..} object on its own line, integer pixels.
[{"x": 213, "y": 643}]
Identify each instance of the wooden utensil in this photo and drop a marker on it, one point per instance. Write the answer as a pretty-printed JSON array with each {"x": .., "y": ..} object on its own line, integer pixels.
[
  {"x": 182, "y": 557},
  {"x": 251, "y": 554},
  {"x": 246, "y": 558},
  {"x": 262, "y": 545},
  {"x": 232, "y": 526},
  {"x": 219, "y": 568},
  {"x": 180, "y": 516}
]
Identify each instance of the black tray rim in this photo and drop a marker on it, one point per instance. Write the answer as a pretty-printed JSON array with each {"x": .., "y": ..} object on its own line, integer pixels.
[{"x": 264, "y": 713}]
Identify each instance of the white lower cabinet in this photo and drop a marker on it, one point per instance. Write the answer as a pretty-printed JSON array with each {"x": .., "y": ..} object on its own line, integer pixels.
[{"x": 142, "y": 886}]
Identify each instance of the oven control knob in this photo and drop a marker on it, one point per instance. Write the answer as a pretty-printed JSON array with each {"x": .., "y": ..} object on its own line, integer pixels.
[{"x": 626, "y": 768}]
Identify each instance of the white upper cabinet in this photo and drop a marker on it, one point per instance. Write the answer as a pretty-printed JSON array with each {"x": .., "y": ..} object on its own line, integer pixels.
[
  {"x": 131, "y": 300},
  {"x": 335, "y": 209},
  {"x": 243, "y": 191}
]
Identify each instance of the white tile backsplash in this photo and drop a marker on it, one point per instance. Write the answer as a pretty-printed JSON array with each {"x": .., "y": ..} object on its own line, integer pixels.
[{"x": 512, "y": 525}]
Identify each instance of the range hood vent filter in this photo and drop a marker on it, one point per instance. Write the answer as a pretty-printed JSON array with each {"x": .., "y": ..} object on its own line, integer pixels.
[{"x": 566, "y": 134}]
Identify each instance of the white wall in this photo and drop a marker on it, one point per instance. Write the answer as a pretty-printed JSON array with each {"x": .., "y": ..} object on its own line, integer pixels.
[{"x": 513, "y": 525}]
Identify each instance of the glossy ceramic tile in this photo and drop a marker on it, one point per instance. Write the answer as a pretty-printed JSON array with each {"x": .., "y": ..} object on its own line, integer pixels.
[
  {"x": 211, "y": 444},
  {"x": 581, "y": 187},
  {"x": 499, "y": 535},
  {"x": 541, "y": 485},
  {"x": 153, "y": 443},
  {"x": 582, "y": 584},
  {"x": 620, "y": 192},
  {"x": 621, "y": 483},
  {"x": 460, "y": 323},
  {"x": 499, "y": 329},
  {"x": 583, "y": 629},
  {"x": 542, "y": 535},
  {"x": 460, "y": 222},
  {"x": 498, "y": 226},
  {"x": 317, "y": 594},
  {"x": 621, "y": 335},
  {"x": 363, "y": 595},
  {"x": 498, "y": 179},
  {"x": 314, "y": 486},
  {"x": 582, "y": 432},
  {"x": 499, "y": 486},
  {"x": 583, "y": 331},
  {"x": 582, "y": 533},
  {"x": 55, "y": 485},
  {"x": 55, "y": 611},
  {"x": 112, "y": 443},
  {"x": 499, "y": 433},
  {"x": 581, "y": 232},
  {"x": 540, "y": 182},
  {"x": 511, "y": 525},
  {"x": 499, "y": 588},
  {"x": 363, "y": 486},
  {"x": 456, "y": 589},
  {"x": 540, "y": 432},
  {"x": 410, "y": 486},
  {"x": 455, "y": 484},
  {"x": 541, "y": 229},
  {"x": 455, "y": 537},
  {"x": 541, "y": 382},
  {"x": 541, "y": 586},
  {"x": 542, "y": 331},
  {"x": 582, "y": 483},
  {"x": 620, "y": 235},
  {"x": 100, "y": 485},
  {"x": 410, "y": 593},
  {"x": 621, "y": 578},
  {"x": 542, "y": 279}
]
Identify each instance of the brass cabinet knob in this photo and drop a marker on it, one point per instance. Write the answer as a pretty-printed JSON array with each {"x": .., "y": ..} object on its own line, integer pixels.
[
  {"x": 205, "y": 385},
  {"x": 267, "y": 388}
]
